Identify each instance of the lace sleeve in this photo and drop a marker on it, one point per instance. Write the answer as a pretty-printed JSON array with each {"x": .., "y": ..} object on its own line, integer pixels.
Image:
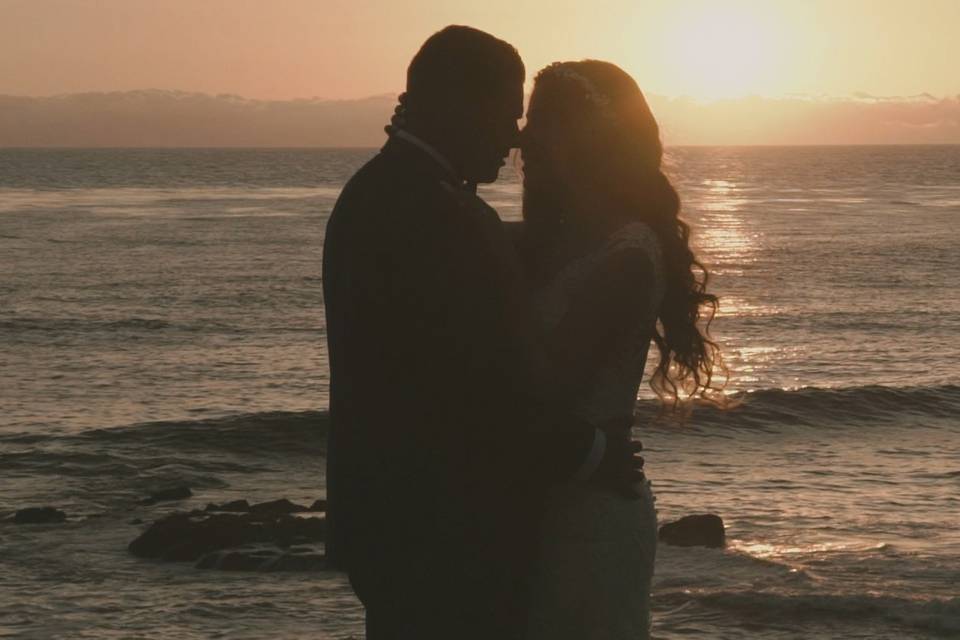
[{"x": 639, "y": 236}]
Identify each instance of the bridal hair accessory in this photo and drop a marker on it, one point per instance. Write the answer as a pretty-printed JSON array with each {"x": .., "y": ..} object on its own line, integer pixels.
[{"x": 600, "y": 101}]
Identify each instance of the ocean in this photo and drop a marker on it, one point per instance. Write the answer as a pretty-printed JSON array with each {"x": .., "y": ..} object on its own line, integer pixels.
[{"x": 161, "y": 322}]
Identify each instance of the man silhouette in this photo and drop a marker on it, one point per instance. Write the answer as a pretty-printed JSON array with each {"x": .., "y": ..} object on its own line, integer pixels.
[{"x": 442, "y": 441}]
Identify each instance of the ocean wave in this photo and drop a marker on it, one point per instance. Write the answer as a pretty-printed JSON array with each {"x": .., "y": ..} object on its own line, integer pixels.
[
  {"x": 140, "y": 325},
  {"x": 282, "y": 433},
  {"x": 304, "y": 432},
  {"x": 87, "y": 325},
  {"x": 932, "y": 614},
  {"x": 163, "y": 201},
  {"x": 770, "y": 409}
]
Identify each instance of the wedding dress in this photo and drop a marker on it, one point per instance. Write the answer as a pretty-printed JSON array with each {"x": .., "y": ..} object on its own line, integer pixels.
[{"x": 596, "y": 562}]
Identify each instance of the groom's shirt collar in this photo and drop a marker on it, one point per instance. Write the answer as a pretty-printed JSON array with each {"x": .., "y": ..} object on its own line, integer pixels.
[{"x": 432, "y": 152}]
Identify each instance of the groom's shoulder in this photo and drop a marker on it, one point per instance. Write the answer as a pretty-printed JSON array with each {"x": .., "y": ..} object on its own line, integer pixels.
[{"x": 384, "y": 186}]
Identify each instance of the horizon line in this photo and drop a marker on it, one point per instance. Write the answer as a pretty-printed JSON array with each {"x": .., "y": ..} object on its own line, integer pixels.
[
  {"x": 373, "y": 148},
  {"x": 852, "y": 95}
]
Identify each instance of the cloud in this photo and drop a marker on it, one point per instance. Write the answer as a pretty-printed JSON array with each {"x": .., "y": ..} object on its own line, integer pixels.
[
  {"x": 860, "y": 119},
  {"x": 156, "y": 118}
]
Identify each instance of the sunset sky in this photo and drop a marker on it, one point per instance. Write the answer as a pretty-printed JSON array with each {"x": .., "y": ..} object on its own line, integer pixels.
[
  {"x": 353, "y": 48},
  {"x": 706, "y": 50}
]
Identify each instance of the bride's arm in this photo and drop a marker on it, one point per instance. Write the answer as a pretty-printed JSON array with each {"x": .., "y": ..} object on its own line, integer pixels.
[{"x": 609, "y": 306}]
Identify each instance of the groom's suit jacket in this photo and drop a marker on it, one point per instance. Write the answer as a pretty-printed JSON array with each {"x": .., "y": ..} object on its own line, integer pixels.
[{"x": 440, "y": 442}]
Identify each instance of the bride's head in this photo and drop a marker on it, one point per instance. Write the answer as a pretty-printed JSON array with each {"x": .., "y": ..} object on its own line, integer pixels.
[
  {"x": 588, "y": 127},
  {"x": 592, "y": 157}
]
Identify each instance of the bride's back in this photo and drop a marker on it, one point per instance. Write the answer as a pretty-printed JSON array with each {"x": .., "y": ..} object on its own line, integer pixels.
[{"x": 609, "y": 389}]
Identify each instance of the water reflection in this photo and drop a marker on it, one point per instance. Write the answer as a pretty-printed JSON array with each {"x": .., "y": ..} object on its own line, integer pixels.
[
  {"x": 722, "y": 234},
  {"x": 729, "y": 245},
  {"x": 767, "y": 550}
]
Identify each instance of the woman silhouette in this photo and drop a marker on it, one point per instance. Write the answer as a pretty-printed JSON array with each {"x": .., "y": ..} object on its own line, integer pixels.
[{"x": 613, "y": 272}]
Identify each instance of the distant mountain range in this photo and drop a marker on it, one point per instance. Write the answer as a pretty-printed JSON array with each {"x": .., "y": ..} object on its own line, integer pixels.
[{"x": 159, "y": 118}]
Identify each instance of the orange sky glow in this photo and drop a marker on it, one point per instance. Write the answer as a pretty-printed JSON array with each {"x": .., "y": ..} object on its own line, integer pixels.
[
  {"x": 355, "y": 48},
  {"x": 705, "y": 50}
]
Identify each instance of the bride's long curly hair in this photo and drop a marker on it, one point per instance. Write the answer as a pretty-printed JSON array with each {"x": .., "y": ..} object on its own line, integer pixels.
[{"x": 609, "y": 141}]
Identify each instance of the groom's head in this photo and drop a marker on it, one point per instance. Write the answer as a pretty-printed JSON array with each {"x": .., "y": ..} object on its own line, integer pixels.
[{"x": 465, "y": 96}]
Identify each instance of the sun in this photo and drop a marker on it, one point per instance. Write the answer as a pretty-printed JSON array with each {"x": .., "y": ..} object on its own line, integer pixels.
[{"x": 721, "y": 51}]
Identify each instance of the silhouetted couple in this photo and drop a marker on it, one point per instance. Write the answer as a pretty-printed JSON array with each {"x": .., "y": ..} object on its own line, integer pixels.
[{"x": 481, "y": 476}]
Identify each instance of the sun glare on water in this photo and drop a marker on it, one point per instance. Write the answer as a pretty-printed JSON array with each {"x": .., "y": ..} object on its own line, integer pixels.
[{"x": 719, "y": 51}]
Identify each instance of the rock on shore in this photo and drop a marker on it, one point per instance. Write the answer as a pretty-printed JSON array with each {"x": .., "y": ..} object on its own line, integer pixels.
[
  {"x": 237, "y": 536},
  {"x": 39, "y": 515},
  {"x": 705, "y": 530},
  {"x": 165, "y": 495}
]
